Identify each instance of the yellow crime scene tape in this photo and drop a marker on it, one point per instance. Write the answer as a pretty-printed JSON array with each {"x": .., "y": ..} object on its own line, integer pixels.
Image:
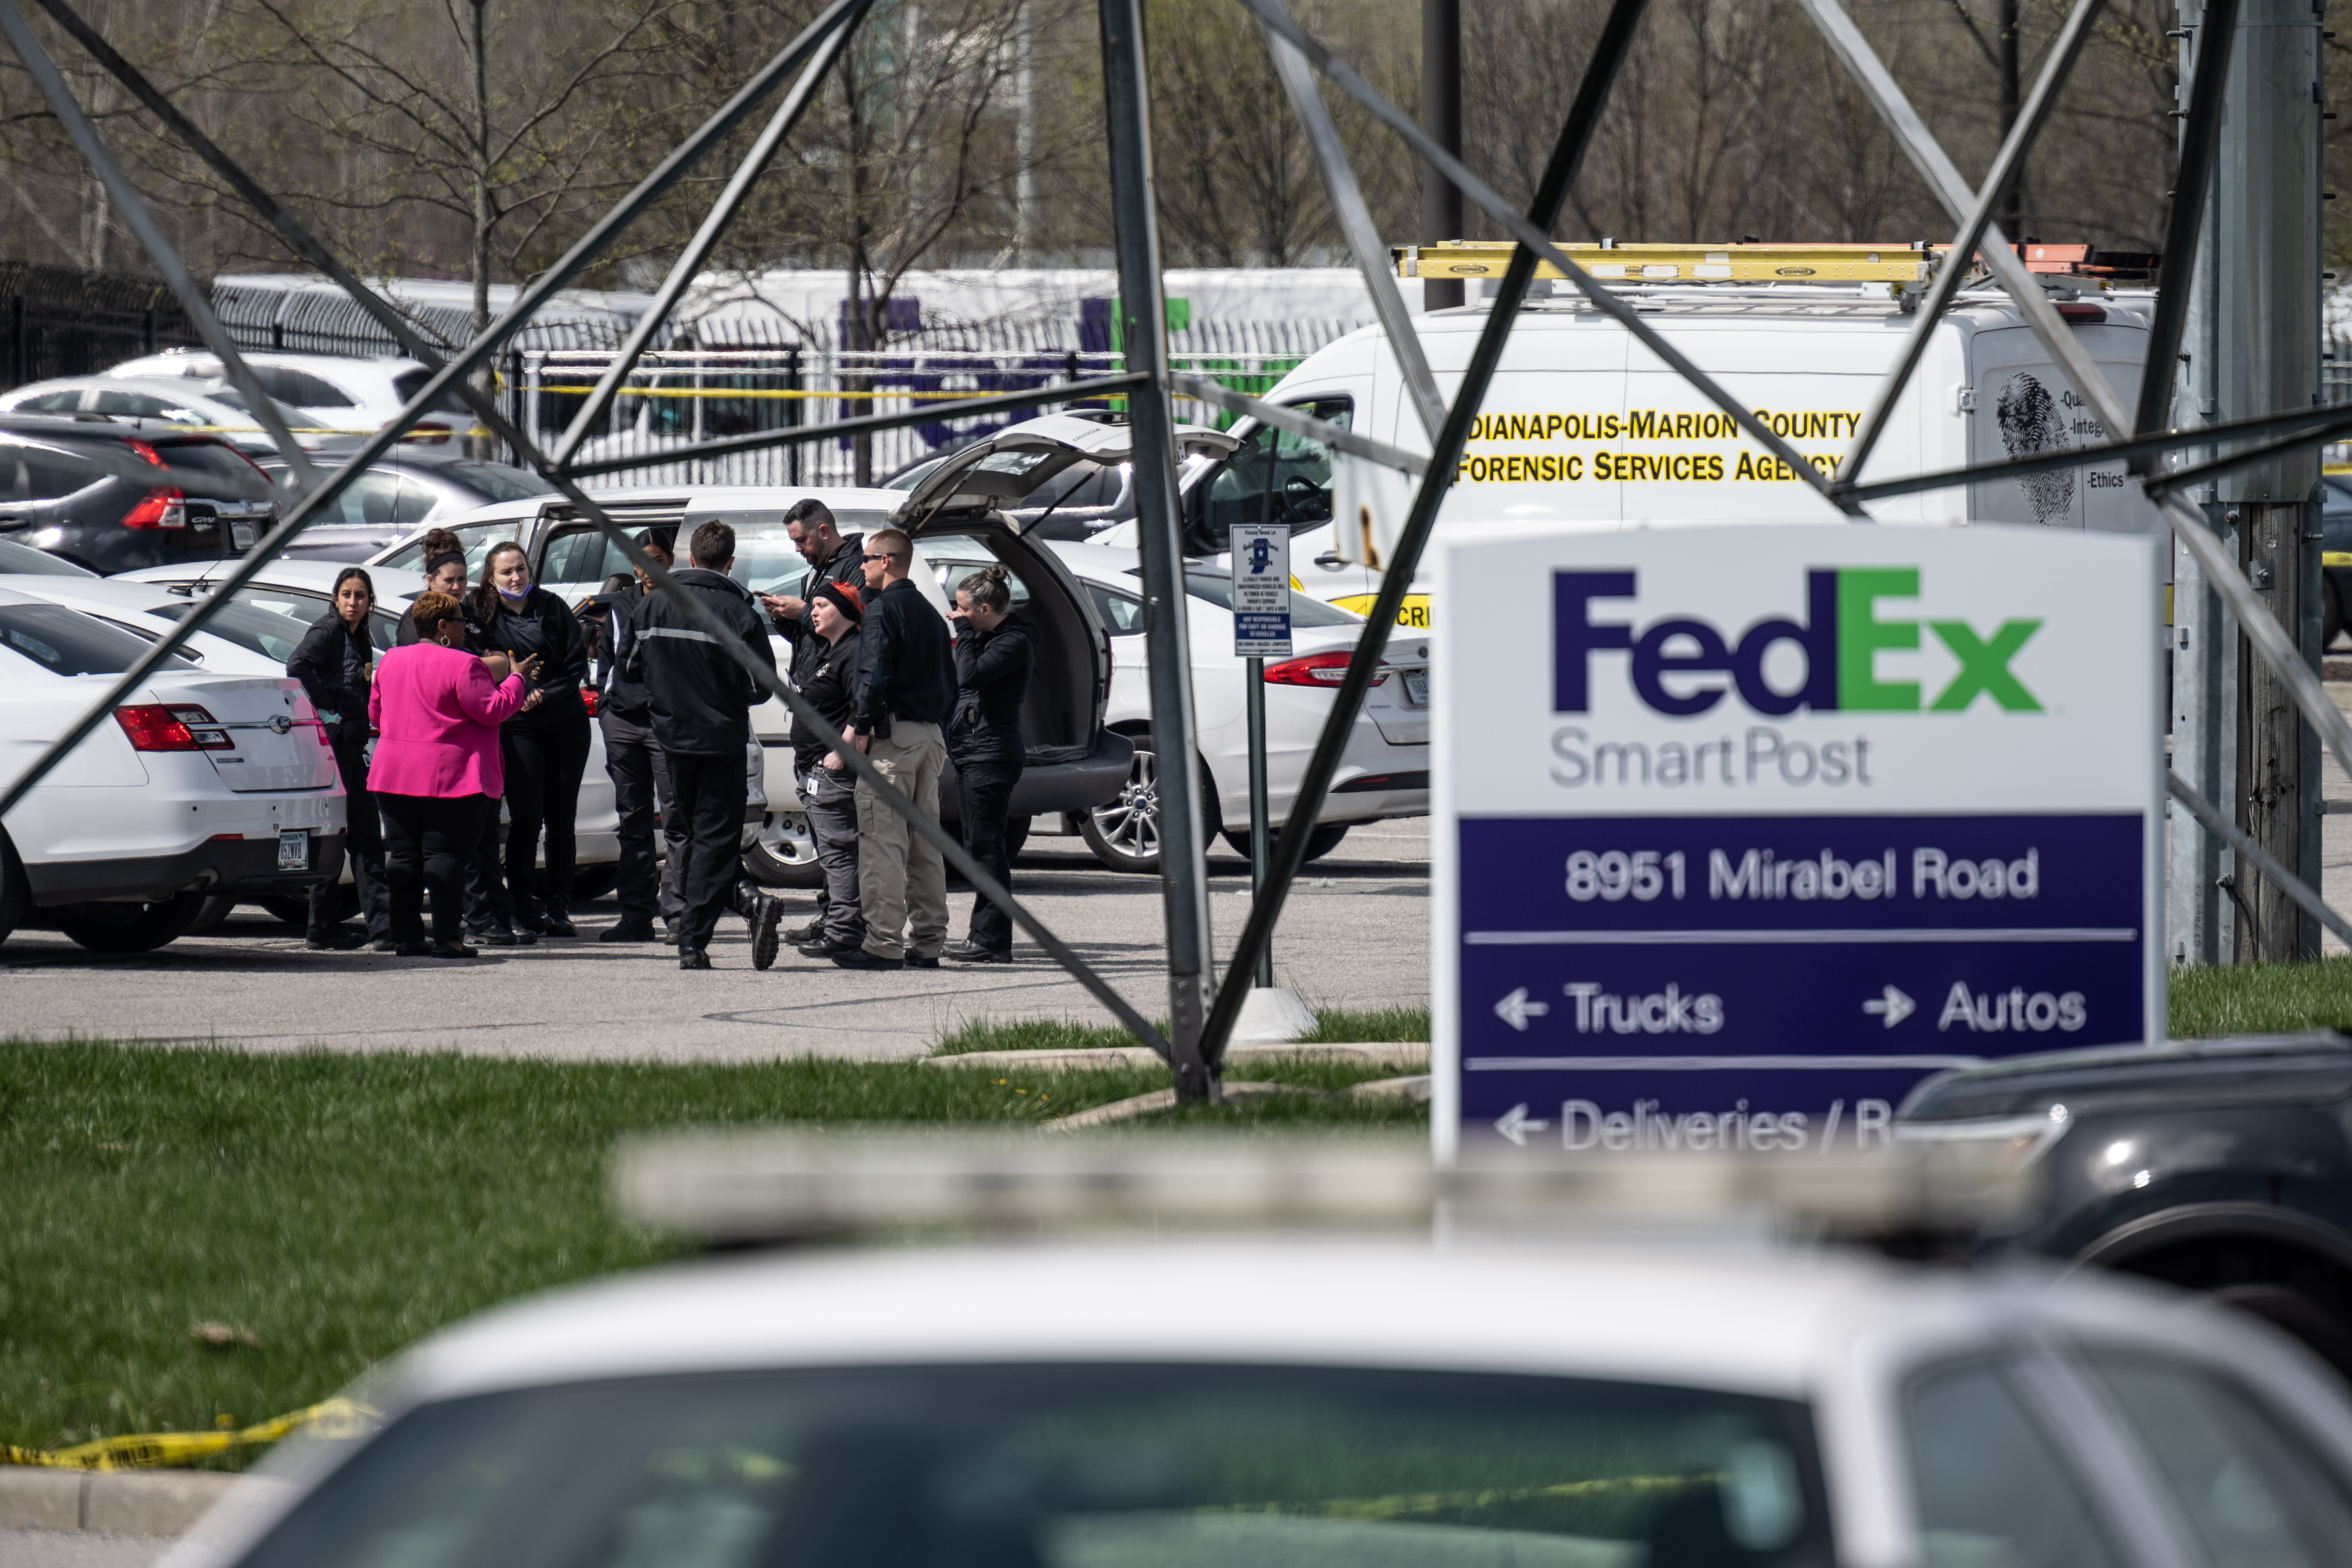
[
  {"x": 334, "y": 1418},
  {"x": 1398, "y": 1505}
]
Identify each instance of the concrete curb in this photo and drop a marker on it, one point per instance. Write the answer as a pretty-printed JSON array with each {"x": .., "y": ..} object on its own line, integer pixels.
[
  {"x": 1401, "y": 1054},
  {"x": 109, "y": 1502},
  {"x": 1163, "y": 1100}
]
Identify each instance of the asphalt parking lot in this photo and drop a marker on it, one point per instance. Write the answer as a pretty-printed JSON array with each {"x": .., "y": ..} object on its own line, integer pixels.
[{"x": 1355, "y": 933}]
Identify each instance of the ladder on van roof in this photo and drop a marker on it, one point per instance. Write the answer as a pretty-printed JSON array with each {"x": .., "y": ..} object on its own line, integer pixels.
[{"x": 1912, "y": 262}]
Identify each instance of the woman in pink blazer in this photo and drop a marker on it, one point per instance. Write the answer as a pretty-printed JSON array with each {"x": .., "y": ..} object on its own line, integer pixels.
[{"x": 437, "y": 769}]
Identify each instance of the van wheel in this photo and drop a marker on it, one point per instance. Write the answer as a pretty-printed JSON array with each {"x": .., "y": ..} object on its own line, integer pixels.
[
  {"x": 130, "y": 928},
  {"x": 213, "y": 916},
  {"x": 295, "y": 911},
  {"x": 590, "y": 883},
  {"x": 1319, "y": 842},
  {"x": 15, "y": 891},
  {"x": 1124, "y": 831},
  {"x": 784, "y": 855}
]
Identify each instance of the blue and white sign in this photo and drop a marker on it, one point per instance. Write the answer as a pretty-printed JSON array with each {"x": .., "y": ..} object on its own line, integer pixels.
[
  {"x": 1261, "y": 558},
  {"x": 1741, "y": 832}
]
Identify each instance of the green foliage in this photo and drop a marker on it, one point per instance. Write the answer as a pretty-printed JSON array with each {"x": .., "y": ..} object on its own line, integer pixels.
[
  {"x": 2262, "y": 999},
  {"x": 1332, "y": 1025},
  {"x": 339, "y": 1208}
]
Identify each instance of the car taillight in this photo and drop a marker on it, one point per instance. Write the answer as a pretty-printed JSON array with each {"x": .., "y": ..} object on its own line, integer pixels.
[
  {"x": 588, "y": 695},
  {"x": 147, "y": 450},
  {"x": 161, "y": 508},
  {"x": 2082, "y": 315},
  {"x": 1324, "y": 669},
  {"x": 155, "y": 727}
]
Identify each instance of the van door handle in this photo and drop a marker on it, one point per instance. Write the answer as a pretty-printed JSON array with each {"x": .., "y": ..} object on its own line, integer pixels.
[{"x": 1329, "y": 561}]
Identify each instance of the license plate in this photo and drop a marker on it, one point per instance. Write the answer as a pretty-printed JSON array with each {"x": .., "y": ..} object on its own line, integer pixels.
[
  {"x": 1417, "y": 686},
  {"x": 241, "y": 535},
  {"x": 294, "y": 849}
]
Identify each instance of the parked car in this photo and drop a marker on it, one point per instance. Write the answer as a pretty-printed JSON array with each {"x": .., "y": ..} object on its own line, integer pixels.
[
  {"x": 302, "y": 591},
  {"x": 203, "y": 784},
  {"x": 109, "y": 497},
  {"x": 240, "y": 639},
  {"x": 1383, "y": 773},
  {"x": 395, "y": 498},
  {"x": 1347, "y": 1401},
  {"x": 2216, "y": 1165},
  {"x": 1073, "y": 762},
  {"x": 2336, "y": 555},
  {"x": 342, "y": 392},
  {"x": 211, "y": 408}
]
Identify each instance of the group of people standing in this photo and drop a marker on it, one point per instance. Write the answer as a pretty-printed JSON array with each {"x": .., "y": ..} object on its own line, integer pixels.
[{"x": 481, "y": 700}]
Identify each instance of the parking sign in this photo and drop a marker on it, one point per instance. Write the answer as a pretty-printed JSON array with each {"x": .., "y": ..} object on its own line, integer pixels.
[
  {"x": 1261, "y": 557},
  {"x": 1740, "y": 832}
]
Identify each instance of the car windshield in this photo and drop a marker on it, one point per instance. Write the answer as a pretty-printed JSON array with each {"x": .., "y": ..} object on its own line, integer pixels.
[
  {"x": 24, "y": 561},
  {"x": 1063, "y": 1467},
  {"x": 251, "y": 628},
  {"x": 66, "y": 642},
  {"x": 495, "y": 481},
  {"x": 1216, "y": 589}
]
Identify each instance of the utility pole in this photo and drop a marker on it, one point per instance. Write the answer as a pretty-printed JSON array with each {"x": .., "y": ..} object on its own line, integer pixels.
[
  {"x": 2201, "y": 916},
  {"x": 1440, "y": 116},
  {"x": 2266, "y": 320},
  {"x": 2013, "y": 200}
]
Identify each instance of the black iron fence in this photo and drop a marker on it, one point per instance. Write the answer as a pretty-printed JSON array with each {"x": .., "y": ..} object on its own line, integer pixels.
[{"x": 64, "y": 320}]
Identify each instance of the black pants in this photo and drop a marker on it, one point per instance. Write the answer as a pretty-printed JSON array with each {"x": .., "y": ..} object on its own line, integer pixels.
[
  {"x": 704, "y": 825},
  {"x": 488, "y": 905},
  {"x": 984, "y": 791},
  {"x": 428, "y": 840},
  {"x": 364, "y": 845},
  {"x": 641, "y": 787},
  {"x": 544, "y": 762}
]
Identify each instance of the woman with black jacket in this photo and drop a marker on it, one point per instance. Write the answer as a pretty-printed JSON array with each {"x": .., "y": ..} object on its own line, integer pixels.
[
  {"x": 334, "y": 661},
  {"x": 546, "y": 749},
  {"x": 995, "y": 650}
]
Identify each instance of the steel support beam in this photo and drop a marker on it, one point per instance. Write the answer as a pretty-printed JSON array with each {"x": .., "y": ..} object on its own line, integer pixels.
[
  {"x": 2200, "y": 135},
  {"x": 141, "y": 222},
  {"x": 2221, "y": 828},
  {"x": 1998, "y": 182},
  {"x": 1538, "y": 239},
  {"x": 1314, "y": 787},
  {"x": 1364, "y": 245},
  {"x": 1183, "y": 850},
  {"x": 722, "y": 211}
]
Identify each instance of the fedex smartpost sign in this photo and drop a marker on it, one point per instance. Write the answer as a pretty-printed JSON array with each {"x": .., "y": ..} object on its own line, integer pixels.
[{"x": 1743, "y": 831}]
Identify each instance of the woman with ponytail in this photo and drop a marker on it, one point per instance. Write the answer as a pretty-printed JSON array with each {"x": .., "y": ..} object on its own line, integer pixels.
[
  {"x": 545, "y": 749},
  {"x": 995, "y": 650}
]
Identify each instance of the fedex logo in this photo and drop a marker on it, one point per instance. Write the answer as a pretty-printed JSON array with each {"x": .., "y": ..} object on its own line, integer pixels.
[{"x": 1840, "y": 640}]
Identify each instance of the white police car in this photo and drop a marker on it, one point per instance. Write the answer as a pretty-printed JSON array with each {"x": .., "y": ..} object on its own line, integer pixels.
[{"x": 1331, "y": 1402}]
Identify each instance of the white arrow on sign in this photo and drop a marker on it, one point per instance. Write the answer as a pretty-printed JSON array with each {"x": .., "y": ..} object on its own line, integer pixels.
[
  {"x": 1516, "y": 1009},
  {"x": 1895, "y": 1006},
  {"x": 1516, "y": 1124}
]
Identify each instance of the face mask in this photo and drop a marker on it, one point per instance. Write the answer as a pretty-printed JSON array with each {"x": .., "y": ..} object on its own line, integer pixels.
[{"x": 515, "y": 595}]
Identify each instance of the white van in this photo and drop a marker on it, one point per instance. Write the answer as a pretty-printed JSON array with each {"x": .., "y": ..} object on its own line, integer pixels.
[{"x": 1582, "y": 423}]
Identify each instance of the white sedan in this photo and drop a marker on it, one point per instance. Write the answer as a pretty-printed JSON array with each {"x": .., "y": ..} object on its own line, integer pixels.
[
  {"x": 179, "y": 406},
  {"x": 1335, "y": 1404},
  {"x": 201, "y": 785},
  {"x": 1383, "y": 773}
]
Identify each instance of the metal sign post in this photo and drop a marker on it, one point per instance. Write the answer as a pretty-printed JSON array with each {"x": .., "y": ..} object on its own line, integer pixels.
[
  {"x": 1784, "y": 818},
  {"x": 1261, "y": 593}
]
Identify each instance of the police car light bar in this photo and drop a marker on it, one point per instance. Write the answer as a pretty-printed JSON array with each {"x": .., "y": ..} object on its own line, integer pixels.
[
  {"x": 1906, "y": 263},
  {"x": 756, "y": 1185}
]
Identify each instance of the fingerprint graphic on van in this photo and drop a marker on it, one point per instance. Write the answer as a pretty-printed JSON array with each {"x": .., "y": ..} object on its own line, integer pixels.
[{"x": 2031, "y": 422}]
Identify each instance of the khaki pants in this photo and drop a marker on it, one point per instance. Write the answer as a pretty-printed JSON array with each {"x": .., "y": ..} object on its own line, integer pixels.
[{"x": 899, "y": 877}]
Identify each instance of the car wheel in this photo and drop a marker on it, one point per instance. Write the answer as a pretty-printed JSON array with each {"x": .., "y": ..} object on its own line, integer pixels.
[
  {"x": 213, "y": 916},
  {"x": 786, "y": 853},
  {"x": 2331, "y": 617},
  {"x": 15, "y": 891},
  {"x": 130, "y": 928},
  {"x": 2322, "y": 1331},
  {"x": 590, "y": 883},
  {"x": 297, "y": 912},
  {"x": 1319, "y": 842},
  {"x": 1124, "y": 831}
]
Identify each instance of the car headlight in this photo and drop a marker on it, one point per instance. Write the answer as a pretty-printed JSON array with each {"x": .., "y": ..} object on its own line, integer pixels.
[{"x": 2022, "y": 1140}]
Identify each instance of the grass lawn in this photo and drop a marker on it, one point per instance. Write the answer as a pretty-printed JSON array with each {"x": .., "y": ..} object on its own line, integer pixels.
[
  {"x": 340, "y": 1207},
  {"x": 1333, "y": 1025},
  {"x": 2262, "y": 999}
]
